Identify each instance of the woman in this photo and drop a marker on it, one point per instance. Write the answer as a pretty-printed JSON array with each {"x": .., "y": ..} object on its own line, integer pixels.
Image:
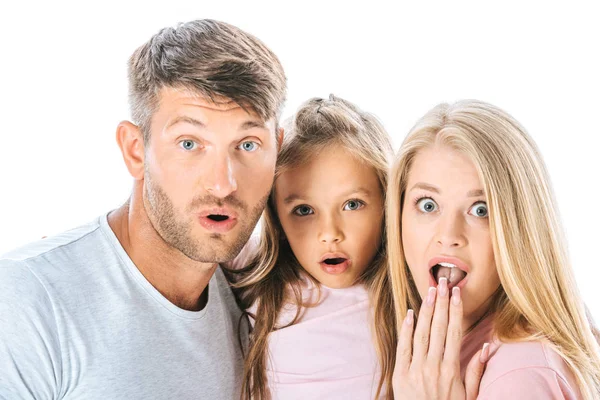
[{"x": 471, "y": 213}]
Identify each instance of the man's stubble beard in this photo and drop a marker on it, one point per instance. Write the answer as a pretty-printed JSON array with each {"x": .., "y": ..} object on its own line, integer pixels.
[{"x": 177, "y": 232}]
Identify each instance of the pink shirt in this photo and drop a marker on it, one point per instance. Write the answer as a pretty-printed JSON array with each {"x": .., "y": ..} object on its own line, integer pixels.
[
  {"x": 523, "y": 370},
  {"x": 329, "y": 352}
]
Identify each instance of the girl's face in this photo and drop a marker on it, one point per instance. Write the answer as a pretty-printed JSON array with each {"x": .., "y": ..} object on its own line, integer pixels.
[
  {"x": 445, "y": 228},
  {"x": 331, "y": 210}
]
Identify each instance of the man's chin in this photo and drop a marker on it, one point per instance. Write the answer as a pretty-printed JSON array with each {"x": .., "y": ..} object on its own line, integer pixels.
[{"x": 216, "y": 247}]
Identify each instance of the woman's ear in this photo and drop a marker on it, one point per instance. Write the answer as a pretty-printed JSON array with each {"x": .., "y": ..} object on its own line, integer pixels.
[{"x": 131, "y": 143}]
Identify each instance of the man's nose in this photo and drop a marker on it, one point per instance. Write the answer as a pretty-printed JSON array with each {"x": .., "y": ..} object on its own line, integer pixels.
[{"x": 220, "y": 181}]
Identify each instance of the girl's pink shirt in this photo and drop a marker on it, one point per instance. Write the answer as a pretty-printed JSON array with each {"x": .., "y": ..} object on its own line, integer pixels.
[
  {"x": 521, "y": 370},
  {"x": 329, "y": 352}
]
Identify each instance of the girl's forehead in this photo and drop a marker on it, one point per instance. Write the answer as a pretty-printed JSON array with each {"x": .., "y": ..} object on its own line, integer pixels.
[{"x": 329, "y": 173}]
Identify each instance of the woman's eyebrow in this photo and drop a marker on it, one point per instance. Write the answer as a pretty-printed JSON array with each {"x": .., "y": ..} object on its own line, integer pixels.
[
  {"x": 431, "y": 188},
  {"x": 425, "y": 186},
  {"x": 475, "y": 193}
]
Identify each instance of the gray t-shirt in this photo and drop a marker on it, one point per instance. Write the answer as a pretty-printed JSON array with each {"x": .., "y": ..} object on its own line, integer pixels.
[{"x": 79, "y": 321}]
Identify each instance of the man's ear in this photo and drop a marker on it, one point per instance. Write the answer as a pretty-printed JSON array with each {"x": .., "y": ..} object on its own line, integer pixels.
[
  {"x": 131, "y": 143},
  {"x": 279, "y": 138}
]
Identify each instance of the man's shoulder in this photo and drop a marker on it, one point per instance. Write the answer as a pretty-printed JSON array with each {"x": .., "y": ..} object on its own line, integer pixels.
[
  {"x": 41, "y": 248},
  {"x": 63, "y": 254},
  {"x": 44, "y": 250}
]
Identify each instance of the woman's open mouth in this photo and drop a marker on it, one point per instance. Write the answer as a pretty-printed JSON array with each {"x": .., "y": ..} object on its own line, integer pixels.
[{"x": 447, "y": 270}]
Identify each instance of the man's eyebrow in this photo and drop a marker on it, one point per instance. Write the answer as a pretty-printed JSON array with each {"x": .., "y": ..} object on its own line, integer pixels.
[
  {"x": 192, "y": 121},
  {"x": 254, "y": 124},
  {"x": 188, "y": 120}
]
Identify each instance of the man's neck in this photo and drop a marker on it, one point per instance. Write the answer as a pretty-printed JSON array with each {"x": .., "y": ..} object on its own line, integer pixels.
[{"x": 184, "y": 282}]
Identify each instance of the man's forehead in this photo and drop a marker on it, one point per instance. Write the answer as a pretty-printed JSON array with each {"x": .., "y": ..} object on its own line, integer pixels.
[{"x": 189, "y": 97}]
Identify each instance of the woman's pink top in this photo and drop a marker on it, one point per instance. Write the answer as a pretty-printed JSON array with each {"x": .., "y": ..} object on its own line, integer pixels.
[{"x": 522, "y": 370}]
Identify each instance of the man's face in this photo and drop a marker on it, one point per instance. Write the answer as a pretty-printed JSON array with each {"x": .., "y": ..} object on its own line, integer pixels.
[{"x": 208, "y": 172}]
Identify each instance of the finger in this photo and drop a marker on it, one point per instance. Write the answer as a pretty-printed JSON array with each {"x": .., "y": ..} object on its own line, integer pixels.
[
  {"x": 474, "y": 372},
  {"x": 421, "y": 336},
  {"x": 439, "y": 324},
  {"x": 404, "y": 348},
  {"x": 454, "y": 335}
]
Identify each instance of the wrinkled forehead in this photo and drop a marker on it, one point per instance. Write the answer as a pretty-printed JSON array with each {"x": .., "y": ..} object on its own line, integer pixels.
[{"x": 179, "y": 99}]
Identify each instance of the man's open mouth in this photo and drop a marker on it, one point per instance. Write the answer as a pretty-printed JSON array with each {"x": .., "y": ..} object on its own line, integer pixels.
[
  {"x": 449, "y": 271},
  {"x": 217, "y": 217}
]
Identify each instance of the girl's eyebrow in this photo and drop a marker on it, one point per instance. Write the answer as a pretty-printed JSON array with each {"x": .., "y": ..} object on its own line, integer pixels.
[
  {"x": 358, "y": 190},
  {"x": 431, "y": 188},
  {"x": 292, "y": 197}
]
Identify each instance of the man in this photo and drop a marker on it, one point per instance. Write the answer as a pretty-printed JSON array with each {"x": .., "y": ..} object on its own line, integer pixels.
[{"x": 134, "y": 305}]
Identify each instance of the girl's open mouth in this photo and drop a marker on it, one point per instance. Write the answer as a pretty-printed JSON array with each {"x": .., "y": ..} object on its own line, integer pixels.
[{"x": 334, "y": 265}]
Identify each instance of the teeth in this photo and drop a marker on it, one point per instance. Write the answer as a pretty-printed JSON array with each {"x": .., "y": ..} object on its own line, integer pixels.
[{"x": 445, "y": 264}]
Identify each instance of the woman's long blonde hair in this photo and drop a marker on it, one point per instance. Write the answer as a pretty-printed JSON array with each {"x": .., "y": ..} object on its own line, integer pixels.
[
  {"x": 275, "y": 272},
  {"x": 538, "y": 297}
]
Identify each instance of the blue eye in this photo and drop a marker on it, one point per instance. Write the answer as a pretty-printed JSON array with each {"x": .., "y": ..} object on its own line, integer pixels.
[
  {"x": 303, "y": 211},
  {"x": 188, "y": 144},
  {"x": 479, "y": 210},
  {"x": 249, "y": 146},
  {"x": 352, "y": 205},
  {"x": 426, "y": 205}
]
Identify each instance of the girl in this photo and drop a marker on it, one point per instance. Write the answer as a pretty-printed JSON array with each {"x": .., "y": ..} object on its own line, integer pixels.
[
  {"x": 471, "y": 211},
  {"x": 309, "y": 288}
]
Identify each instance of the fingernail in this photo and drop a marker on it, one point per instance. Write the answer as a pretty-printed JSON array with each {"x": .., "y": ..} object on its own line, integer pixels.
[
  {"x": 443, "y": 287},
  {"x": 431, "y": 296},
  {"x": 408, "y": 320},
  {"x": 485, "y": 352},
  {"x": 455, "y": 296}
]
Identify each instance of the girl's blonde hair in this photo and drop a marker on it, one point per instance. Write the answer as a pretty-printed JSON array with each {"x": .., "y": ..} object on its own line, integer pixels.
[
  {"x": 538, "y": 297},
  {"x": 273, "y": 277}
]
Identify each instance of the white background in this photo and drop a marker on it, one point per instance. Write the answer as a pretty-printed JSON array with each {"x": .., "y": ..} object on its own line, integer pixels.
[{"x": 63, "y": 90}]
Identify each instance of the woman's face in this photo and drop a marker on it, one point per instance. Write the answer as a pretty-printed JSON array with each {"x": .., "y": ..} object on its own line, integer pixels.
[{"x": 445, "y": 228}]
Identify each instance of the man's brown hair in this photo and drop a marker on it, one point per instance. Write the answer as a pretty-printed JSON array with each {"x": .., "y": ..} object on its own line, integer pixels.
[{"x": 210, "y": 58}]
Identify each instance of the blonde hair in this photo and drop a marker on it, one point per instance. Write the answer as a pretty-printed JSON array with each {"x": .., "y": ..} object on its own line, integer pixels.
[
  {"x": 528, "y": 241},
  {"x": 318, "y": 124}
]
